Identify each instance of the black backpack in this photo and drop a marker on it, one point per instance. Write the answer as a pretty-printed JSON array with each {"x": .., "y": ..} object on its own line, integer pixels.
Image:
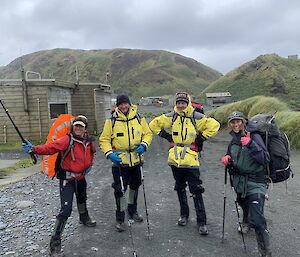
[{"x": 277, "y": 144}]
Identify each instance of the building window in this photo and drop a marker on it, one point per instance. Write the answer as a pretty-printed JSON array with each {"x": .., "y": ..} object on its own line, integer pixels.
[{"x": 57, "y": 109}]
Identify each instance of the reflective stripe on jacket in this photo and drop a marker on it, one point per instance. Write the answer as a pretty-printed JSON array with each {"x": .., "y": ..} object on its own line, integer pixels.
[
  {"x": 127, "y": 133},
  {"x": 184, "y": 134}
]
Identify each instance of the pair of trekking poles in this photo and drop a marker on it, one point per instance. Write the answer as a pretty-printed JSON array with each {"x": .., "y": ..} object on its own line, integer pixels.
[
  {"x": 237, "y": 211},
  {"x": 32, "y": 155},
  {"x": 149, "y": 234}
]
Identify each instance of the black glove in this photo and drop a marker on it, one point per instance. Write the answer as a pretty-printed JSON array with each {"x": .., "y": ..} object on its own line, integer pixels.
[
  {"x": 164, "y": 134},
  {"x": 199, "y": 141}
]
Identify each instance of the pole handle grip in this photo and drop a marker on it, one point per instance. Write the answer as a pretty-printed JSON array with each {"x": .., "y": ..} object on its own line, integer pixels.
[{"x": 33, "y": 157}]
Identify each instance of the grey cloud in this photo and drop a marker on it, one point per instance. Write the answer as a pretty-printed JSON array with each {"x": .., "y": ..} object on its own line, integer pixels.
[{"x": 207, "y": 30}]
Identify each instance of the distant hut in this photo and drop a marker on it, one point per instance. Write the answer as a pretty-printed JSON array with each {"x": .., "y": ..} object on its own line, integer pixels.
[
  {"x": 35, "y": 103},
  {"x": 218, "y": 99}
]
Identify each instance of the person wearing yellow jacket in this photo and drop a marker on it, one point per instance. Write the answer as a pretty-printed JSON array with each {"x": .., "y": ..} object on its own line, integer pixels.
[
  {"x": 125, "y": 137},
  {"x": 186, "y": 128}
]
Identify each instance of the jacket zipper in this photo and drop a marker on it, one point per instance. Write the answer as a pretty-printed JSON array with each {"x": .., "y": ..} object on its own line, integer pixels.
[{"x": 129, "y": 149}]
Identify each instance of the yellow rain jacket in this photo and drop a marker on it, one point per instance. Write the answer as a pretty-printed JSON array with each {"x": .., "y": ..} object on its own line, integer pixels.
[
  {"x": 123, "y": 133},
  {"x": 184, "y": 134}
]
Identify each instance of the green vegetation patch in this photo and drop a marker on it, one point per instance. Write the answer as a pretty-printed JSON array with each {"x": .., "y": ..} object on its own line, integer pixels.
[
  {"x": 24, "y": 163},
  {"x": 288, "y": 121}
]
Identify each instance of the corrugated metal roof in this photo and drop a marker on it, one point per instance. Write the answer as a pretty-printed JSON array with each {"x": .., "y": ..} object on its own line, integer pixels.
[{"x": 219, "y": 94}]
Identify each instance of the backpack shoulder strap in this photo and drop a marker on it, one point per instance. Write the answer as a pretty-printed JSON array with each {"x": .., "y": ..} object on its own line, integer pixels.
[
  {"x": 113, "y": 119},
  {"x": 70, "y": 146}
]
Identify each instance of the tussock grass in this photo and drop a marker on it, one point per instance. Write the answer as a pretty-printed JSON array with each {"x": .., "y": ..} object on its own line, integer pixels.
[{"x": 288, "y": 121}]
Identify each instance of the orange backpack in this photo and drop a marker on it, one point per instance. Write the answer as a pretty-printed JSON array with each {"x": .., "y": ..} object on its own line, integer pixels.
[{"x": 61, "y": 127}]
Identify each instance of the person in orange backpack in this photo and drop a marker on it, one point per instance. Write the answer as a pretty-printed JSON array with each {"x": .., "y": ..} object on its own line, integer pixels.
[{"x": 76, "y": 154}]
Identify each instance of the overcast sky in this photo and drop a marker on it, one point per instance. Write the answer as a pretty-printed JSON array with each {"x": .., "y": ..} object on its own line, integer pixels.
[{"x": 222, "y": 34}]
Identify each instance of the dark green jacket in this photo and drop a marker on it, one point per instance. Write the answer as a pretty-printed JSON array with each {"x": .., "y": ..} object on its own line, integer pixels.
[{"x": 249, "y": 164}]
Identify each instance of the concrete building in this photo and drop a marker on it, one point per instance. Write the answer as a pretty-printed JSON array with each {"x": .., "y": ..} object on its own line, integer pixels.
[{"x": 33, "y": 104}]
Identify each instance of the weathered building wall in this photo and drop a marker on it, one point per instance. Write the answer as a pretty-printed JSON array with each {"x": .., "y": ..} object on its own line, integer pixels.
[
  {"x": 89, "y": 99},
  {"x": 102, "y": 107}
]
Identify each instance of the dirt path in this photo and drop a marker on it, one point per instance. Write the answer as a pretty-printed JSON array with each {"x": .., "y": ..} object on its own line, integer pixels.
[{"x": 282, "y": 212}]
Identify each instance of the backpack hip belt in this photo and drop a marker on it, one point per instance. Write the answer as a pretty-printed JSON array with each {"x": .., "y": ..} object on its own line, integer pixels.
[{"x": 70, "y": 175}]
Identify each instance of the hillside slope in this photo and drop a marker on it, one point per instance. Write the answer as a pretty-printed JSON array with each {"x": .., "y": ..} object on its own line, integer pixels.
[
  {"x": 268, "y": 75},
  {"x": 137, "y": 72}
]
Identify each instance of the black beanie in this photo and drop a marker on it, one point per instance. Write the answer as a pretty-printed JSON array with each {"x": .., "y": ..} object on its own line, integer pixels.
[{"x": 122, "y": 99}]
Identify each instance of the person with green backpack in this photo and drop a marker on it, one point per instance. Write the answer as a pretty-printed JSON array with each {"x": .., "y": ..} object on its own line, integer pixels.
[
  {"x": 185, "y": 127},
  {"x": 246, "y": 160}
]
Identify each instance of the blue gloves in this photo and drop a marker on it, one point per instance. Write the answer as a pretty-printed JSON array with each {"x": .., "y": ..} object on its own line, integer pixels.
[
  {"x": 140, "y": 149},
  {"x": 27, "y": 147},
  {"x": 114, "y": 157}
]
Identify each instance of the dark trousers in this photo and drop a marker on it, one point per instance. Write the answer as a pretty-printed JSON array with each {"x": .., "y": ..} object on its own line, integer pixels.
[
  {"x": 131, "y": 176},
  {"x": 67, "y": 190},
  {"x": 253, "y": 210},
  {"x": 190, "y": 177}
]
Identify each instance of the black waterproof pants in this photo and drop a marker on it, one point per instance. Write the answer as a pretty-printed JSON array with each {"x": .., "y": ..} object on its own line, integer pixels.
[
  {"x": 67, "y": 190},
  {"x": 253, "y": 208},
  {"x": 124, "y": 177},
  {"x": 190, "y": 177}
]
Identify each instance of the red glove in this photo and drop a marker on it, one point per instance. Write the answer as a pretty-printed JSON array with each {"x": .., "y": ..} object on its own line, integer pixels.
[
  {"x": 245, "y": 140},
  {"x": 226, "y": 159}
]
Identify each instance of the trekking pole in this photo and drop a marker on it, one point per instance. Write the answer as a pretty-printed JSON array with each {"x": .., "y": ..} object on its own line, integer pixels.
[
  {"x": 129, "y": 222},
  {"x": 149, "y": 234},
  {"x": 130, "y": 234},
  {"x": 240, "y": 224},
  {"x": 32, "y": 155},
  {"x": 224, "y": 203}
]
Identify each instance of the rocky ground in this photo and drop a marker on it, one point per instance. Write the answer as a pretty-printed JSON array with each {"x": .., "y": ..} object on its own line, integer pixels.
[{"x": 28, "y": 209}]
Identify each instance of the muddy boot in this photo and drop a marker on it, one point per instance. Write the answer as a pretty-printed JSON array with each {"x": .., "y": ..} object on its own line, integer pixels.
[
  {"x": 182, "y": 221},
  {"x": 263, "y": 243},
  {"x": 133, "y": 214},
  {"x": 55, "y": 242},
  {"x": 202, "y": 229},
  {"x": 132, "y": 206},
  {"x": 245, "y": 228},
  {"x": 120, "y": 218},
  {"x": 184, "y": 208},
  {"x": 86, "y": 220},
  {"x": 84, "y": 217}
]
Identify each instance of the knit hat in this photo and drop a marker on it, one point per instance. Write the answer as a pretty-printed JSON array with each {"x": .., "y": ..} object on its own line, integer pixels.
[
  {"x": 182, "y": 96},
  {"x": 122, "y": 99}
]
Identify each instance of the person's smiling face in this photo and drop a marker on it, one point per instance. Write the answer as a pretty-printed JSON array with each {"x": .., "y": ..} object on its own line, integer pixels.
[
  {"x": 181, "y": 105},
  {"x": 237, "y": 125}
]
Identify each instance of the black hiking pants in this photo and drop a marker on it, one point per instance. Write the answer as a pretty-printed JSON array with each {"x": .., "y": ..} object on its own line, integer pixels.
[
  {"x": 190, "y": 177},
  {"x": 67, "y": 190},
  {"x": 131, "y": 177},
  {"x": 253, "y": 210}
]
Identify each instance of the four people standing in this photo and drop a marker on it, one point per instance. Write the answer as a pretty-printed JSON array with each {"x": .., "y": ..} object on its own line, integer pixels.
[{"x": 125, "y": 138}]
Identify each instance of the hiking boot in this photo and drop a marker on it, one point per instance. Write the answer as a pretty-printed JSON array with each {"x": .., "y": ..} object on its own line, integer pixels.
[
  {"x": 55, "y": 247},
  {"x": 120, "y": 226},
  {"x": 266, "y": 254},
  {"x": 136, "y": 217},
  {"x": 203, "y": 230},
  {"x": 245, "y": 228},
  {"x": 182, "y": 221},
  {"x": 86, "y": 220}
]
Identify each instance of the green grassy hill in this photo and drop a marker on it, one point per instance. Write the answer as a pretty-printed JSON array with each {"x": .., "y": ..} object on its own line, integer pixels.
[
  {"x": 268, "y": 75},
  {"x": 136, "y": 72}
]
